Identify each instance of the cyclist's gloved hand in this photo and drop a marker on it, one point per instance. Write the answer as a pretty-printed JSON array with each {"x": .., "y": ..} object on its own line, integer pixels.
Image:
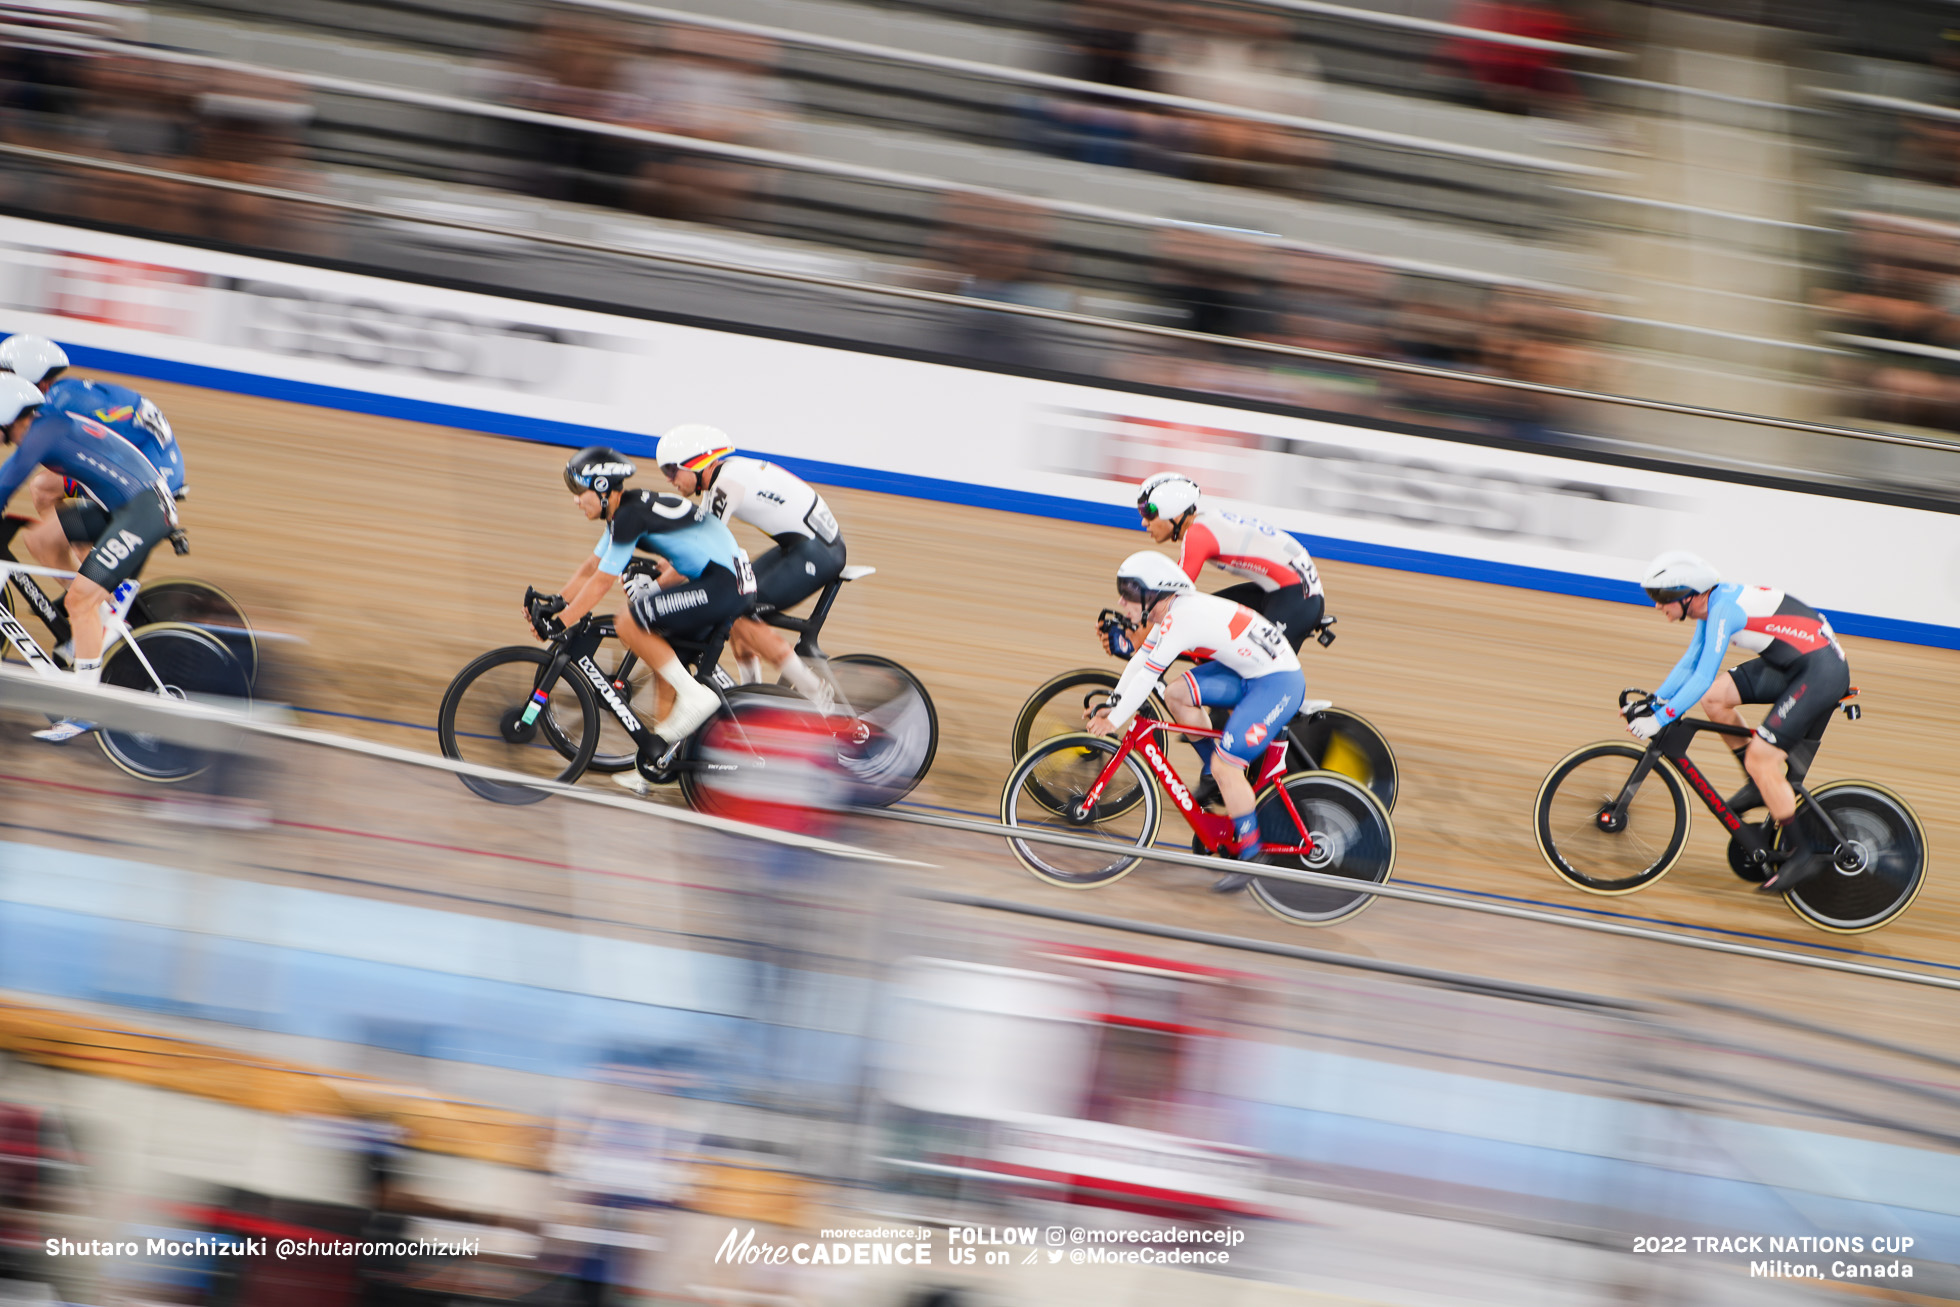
[
  {"x": 1644, "y": 727},
  {"x": 548, "y": 626},
  {"x": 1639, "y": 708}
]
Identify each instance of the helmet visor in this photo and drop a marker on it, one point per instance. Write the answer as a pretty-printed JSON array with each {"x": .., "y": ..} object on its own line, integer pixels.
[
  {"x": 1146, "y": 509},
  {"x": 1672, "y": 594},
  {"x": 1131, "y": 589},
  {"x": 575, "y": 481}
]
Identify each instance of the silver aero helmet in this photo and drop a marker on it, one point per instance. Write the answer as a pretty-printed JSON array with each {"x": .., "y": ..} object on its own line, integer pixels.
[
  {"x": 31, "y": 358},
  {"x": 1677, "y": 575},
  {"x": 597, "y": 468},
  {"x": 1146, "y": 576},
  {"x": 17, "y": 396},
  {"x": 1167, "y": 494},
  {"x": 695, "y": 446}
]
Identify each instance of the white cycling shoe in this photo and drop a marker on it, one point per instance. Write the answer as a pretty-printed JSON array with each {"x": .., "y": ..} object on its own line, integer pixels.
[
  {"x": 64, "y": 731},
  {"x": 694, "y": 703},
  {"x": 632, "y": 782}
]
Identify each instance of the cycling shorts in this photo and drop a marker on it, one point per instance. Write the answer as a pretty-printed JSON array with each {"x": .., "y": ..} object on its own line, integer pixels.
[
  {"x": 1261, "y": 707},
  {"x": 1290, "y": 608},
  {"x": 123, "y": 539},
  {"x": 693, "y": 610},
  {"x": 1801, "y": 696},
  {"x": 796, "y": 568}
]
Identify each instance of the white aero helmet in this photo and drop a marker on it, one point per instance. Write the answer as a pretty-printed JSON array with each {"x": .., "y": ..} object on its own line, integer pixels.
[
  {"x": 695, "y": 446},
  {"x": 1677, "y": 575},
  {"x": 1147, "y": 576},
  {"x": 17, "y": 395},
  {"x": 31, "y": 358},
  {"x": 1167, "y": 494}
]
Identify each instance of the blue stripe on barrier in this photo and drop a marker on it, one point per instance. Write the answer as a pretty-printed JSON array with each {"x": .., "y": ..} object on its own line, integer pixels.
[{"x": 641, "y": 445}]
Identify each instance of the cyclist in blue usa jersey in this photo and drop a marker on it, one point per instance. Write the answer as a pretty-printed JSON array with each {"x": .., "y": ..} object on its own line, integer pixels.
[
  {"x": 38, "y": 360},
  {"x": 124, "y": 507},
  {"x": 707, "y": 578},
  {"x": 1799, "y": 669}
]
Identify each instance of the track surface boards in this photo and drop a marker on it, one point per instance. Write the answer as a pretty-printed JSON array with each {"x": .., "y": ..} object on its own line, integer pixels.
[{"x": 397, "y": 552}]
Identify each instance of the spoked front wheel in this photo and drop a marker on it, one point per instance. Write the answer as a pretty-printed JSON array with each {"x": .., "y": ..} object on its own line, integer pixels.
[
  {"x": 887, "y": 729},
  {"x": 1590, "y": 843},
  {"x": 1876, "y": 874},
  {"x": 483, "y": 720},
  {"x": 1337, "y": 740},
  {"x": 1345, "y": 831},
  {"x": 1047, "y": 791},
  {"x": 1057, "y": 707},
  {"x": 190, "y": 665}
]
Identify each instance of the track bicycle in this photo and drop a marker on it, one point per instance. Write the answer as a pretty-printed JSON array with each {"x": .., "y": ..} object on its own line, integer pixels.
[
  {"x": 1109, "y": 789},
  {"x": 1611, "y": 820},
  {"x": 176, "y": 660},
  {"x": 177, "y": 599},
  {"x": 538, "y": 712},
  {"x": 1330, "y": 739}
]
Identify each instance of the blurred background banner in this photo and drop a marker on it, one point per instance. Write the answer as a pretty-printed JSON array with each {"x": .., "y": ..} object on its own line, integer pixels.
[{"x": 1551, "y": 520}]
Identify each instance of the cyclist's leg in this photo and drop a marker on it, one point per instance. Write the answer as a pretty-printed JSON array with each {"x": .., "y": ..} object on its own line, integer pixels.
[
  {"x": 1266, "y": 704},
  {"x": 1189, "y": 697},
  {"x": 1249, "y": 593},
  {"x": 48, "y": 489},
  {"x": 1811, "y": 693},
  {"x": 701, "y": 603},
  {"x": 53, "y": 540},
  {"x": 121, "y": 549},
  {"x": 1294, "y": 612},
  {"x": 784, "y": 577}
]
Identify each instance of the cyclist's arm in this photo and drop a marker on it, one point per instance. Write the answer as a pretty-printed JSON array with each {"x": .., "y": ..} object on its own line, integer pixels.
[
  {"x": 1147, "y": 665},
  {"x": 36, "y": 445},
  {"x": 1685, "y": 668},
  {"x": 1724, "y": 619},
  {"x": 595, "y": 577},
  {"x": 1200, "y": 547}
]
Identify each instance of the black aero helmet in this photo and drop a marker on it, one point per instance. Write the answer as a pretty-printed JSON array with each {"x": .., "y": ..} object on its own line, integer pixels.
[{"x": 597, "y": 468}]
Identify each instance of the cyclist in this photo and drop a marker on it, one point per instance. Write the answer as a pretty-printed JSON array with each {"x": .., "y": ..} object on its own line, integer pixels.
[
  {"x": 1282, "y": 584},
  {"x": 808, "y": 553},
  {"x": 706, "y": 580},
  {"x": 1799, "y": 668},
  {"x": 124, "y": 505},
  {"x": 39, "y": 360},
  {"x": 1244, "y": 665}
]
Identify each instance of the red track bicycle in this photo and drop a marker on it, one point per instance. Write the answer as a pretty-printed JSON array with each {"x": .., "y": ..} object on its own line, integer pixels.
[{"x": 1110, "y": 789}]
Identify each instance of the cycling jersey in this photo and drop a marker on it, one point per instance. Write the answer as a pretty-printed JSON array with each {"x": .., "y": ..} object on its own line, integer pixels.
[
  {"x": 775, "y": 502},
  {"x": 1245, "y": 546},
  {"x": 1780, "y": 627},
  {"x": 1205, "y": 627},
  {"x": 127, "y": 414},
  {"x": 105, "y": 466},
  {"x": 684, "y": 535}
]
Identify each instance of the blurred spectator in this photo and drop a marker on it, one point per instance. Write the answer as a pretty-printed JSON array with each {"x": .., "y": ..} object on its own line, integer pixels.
[
  {"x": 250, "y": 131},
  {"x": 1242, "y": 58},
  {"x": 1904, "y": 287},
  {"x": 1104, "y": 43},
  {"x": 138, "y": 111},
  {"x": 713, "y": 86},
  {"x": 1929, "y": 147},
  {"x": 1514, "y": 78},
  {"x": 573, "y": 66},
  {"x": 994, "y": 248}
]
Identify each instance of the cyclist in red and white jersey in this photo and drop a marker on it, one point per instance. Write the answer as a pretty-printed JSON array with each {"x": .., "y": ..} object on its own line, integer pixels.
[
  {"x": 1282, "y": 584},
  {"x": 1242, "y": 663}
]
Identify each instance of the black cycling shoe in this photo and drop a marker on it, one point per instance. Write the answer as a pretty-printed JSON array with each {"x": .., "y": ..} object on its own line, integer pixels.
[
  {"x": 1792, "y": 861},
  {"x": 1206, "y": 795},
  {"x": 1231, "y": 882}
]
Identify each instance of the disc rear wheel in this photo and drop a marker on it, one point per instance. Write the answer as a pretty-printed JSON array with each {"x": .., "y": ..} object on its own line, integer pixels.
[
  {"x": 191, "y": 666},
  {"x": 1345, "y": 831},
  {"x": 1879, "y": 870}
]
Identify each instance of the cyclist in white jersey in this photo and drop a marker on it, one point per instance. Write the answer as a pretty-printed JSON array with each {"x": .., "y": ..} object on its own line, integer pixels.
[
  {"x": 1243, "y": 663},
  {"x": 1281, "y": 584},
  {"x": 808, "y": 553}
]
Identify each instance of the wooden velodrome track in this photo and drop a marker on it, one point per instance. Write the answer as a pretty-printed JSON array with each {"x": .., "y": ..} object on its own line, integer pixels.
[{"x": 397, "y": 552}]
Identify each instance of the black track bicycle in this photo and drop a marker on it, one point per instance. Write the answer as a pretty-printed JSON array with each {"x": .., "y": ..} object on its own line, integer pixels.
[
  {"x": 1328, "y": 738},
  {"x": 1611, "y": 820},
  {"x": 544, "y": 712}
]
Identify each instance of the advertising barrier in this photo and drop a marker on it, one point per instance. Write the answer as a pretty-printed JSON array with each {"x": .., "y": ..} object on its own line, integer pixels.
[{"x": 1546, "y": 520}]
